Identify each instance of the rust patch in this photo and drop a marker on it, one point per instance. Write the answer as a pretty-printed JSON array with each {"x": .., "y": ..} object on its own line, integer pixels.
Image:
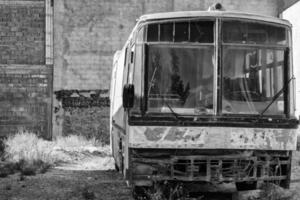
[
  {"x": 154, "y": 134},
  {"x": 192, "y": 138},
  {"x": 259, "y": 134},
  {"x": 175, "y": 134},
  {"x": 283, "y": 138}
]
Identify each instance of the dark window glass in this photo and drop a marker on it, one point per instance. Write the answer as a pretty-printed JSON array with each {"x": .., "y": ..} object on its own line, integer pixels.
[
  {"x": 166, "y": 32},
  {"x": 253, "y": 33},
  {"x": 202, "y": 32},
  {"x": 195, "y": 31},
  {"x": 181, "y": 78},
  {"x": 181, "y": 31},
  {"x": 152, "y": 34},
  {"x": 251, "y": 78}
]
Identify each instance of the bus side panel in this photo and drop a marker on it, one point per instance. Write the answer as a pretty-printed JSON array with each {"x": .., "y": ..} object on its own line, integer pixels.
[
  {"x": 111, "y": 96},
  {"x": 117, "y": 112}
]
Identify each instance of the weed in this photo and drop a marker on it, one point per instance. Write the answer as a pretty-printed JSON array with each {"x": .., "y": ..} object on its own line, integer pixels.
[
  {"x": 22, "y": 177},
  {"x": 271, "y": 191},
  {"x": 75, "y": 141},
  {"x": 8, "y": 187},
  {"x": 163, "y": 191},
  {"x": 28, "y": 147},
  {"x": 31, "y": 168},
  {"x": 2, "y": 146},
  {"x": 87, "y": 193},
  {"x": 7, "y": 168},
  {"x": 3, "y": 173}
]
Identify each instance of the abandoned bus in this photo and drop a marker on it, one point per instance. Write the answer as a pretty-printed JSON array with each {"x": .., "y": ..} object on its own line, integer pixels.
[{"x": 204, "y": 97}]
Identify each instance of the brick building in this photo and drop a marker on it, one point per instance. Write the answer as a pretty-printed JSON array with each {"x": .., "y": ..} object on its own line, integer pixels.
[
  {"x": 26, "y": 73},
  {"x": 57, "y": 54}
]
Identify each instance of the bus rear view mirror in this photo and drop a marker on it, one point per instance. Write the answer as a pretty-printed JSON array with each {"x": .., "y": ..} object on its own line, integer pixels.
[{"x": 128, "y": 96}]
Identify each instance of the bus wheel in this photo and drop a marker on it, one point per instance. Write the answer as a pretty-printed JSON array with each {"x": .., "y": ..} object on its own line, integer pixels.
[
  {"x": 122, "y": 167},
  {"x": 117, "y": 167},
  {"x": 247, "y": 185},
  {"x": 140, "y": 193}
]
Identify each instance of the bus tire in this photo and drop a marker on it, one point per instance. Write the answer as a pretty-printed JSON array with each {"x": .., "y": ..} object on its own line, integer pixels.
[
  {"x": 247, "y": 185},
  {"x": 117, "y": 167}
]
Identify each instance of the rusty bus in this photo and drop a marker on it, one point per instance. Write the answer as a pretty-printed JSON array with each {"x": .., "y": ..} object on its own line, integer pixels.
[{"x": 204, "y": 97}]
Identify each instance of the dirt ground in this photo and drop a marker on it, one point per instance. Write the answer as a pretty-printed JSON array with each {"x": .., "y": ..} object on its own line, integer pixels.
[
  {"x": 88, "y": 177},
  {"x": 58, "y": 184},
  {"x": 82, "y": 181}
]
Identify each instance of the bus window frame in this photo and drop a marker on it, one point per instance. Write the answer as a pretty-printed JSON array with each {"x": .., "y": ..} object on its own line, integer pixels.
[
  {"x": 176, "y": 44},
  {"x": 286, "y": 64},
  {"x": 135, "y": 43},
  {"x": 125, "y": 73},
  {"x": 189, "y": 20}
]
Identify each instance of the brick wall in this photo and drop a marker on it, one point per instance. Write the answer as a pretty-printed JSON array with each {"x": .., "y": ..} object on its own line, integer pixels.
[
  {"x": 25, "y": 80},
  {"x": 22, "y": 34}
]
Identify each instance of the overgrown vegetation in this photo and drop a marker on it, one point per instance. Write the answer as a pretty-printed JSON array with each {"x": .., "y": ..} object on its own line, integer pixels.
[
  {"x": 271, "y": 191},
  {"x": 27, "y": 153},
  {"x": 93, "y": 122}
]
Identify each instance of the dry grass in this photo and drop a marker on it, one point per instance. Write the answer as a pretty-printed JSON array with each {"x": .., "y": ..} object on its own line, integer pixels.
[
  {"x": 76, "y": 141},
  {"x": 28, "y": 147},
  {"x": 31, "y": 154}
]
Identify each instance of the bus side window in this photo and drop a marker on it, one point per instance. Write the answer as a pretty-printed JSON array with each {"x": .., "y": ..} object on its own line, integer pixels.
[
  {"x": 130, "y": 65},
  {"x": 126, "y": 66}
]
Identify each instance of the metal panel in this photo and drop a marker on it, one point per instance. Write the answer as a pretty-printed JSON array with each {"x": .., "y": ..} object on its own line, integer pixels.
[
  {"x": 25, "y": 99},
  {"x": 212, "y": 138}
]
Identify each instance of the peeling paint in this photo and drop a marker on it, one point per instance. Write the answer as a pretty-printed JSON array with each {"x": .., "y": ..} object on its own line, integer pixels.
[
  {"x": 284, "y": 139},
  {"x": 154, "y": 134},
  {"x": 175, "y": 134},
  {"x": 212, "y": 138}
]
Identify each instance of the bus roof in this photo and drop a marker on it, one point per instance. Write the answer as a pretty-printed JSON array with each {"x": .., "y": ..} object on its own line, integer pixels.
[{"x": 211, "y": 14}]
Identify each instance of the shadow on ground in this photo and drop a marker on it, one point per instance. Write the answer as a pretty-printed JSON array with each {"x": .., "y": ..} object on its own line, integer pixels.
[{"x": 65, "y": 185}]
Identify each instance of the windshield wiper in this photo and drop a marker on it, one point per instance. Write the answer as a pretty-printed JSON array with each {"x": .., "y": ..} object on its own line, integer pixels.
[
  {"x": 152, "y": 80},
  {"x": 176, "y": 115},
  {"x": 275, "y": 97}
]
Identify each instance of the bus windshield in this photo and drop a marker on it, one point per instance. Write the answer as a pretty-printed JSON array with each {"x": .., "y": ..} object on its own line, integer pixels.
[
  {"x": 253, "y": 67},
  {"x": 180, "y": 67},
  {"x": 181, "y": 63}
]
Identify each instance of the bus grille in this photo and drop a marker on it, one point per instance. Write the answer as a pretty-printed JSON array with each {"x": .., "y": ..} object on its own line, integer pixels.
[{"x": 219, "y": 168}]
